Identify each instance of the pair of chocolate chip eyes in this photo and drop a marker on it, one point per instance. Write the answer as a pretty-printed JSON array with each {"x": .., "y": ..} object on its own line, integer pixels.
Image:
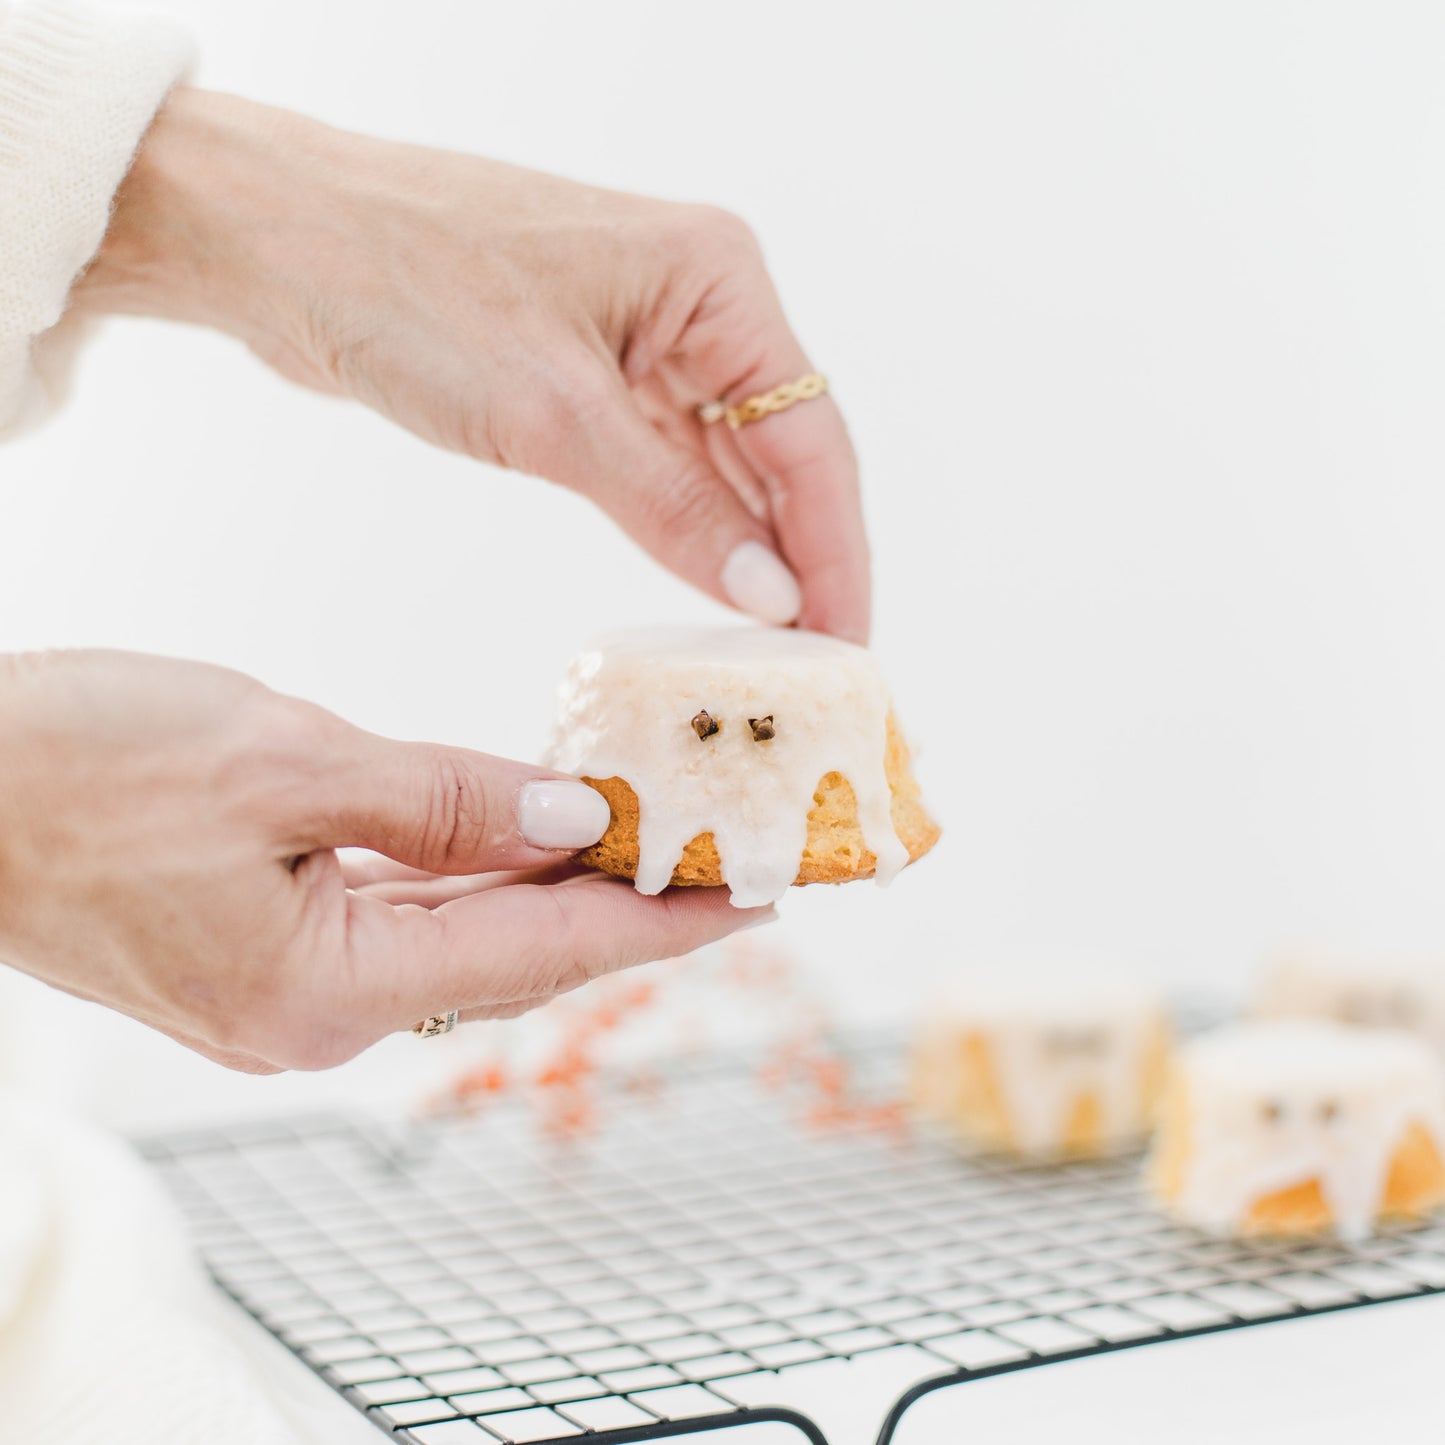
[
  {"x": 1077, "y": 1043},
  {"x": 1400, "y": 1009},
  {"x": 705, "y": 725},
  {"x": 1273, "y": 1112}
]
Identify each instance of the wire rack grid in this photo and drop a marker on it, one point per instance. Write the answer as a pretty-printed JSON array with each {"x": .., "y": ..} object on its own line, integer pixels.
[{"x": 467, "y": 1281}]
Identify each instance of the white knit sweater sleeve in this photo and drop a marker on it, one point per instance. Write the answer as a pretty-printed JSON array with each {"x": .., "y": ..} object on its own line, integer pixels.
[{"x": 77, "y": 91}]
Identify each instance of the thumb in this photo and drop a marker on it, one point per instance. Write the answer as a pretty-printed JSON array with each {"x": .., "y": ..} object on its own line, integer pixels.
[
  {"x": 450, "y": 810},
  {"x": 673, "y": 502}
]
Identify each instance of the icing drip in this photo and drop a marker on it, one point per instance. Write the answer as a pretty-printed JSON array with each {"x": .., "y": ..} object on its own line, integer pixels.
[
  {"x": 1391, "y": 993},
  {"x": 1051, "y": 1046},
  {"x": 1275, "y": 1105},
  {"x": 628, "y": 710}
]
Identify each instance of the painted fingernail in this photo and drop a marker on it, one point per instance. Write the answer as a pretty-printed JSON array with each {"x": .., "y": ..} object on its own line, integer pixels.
[
  {"x": 558, "y": 813},
  {"x": 757, "y": 581},
  {"x": 771, "y": 916}
]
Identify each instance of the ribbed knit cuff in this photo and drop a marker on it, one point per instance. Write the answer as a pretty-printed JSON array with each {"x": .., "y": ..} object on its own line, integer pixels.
[{"x": 77, "y": 92}]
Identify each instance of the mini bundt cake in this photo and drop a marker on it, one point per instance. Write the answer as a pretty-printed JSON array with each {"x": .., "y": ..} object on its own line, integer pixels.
[
  {"x": 1298, "y": 1127},
  {"x": 751, "y": 757},
  {"x": 1071, "y": 1069}
]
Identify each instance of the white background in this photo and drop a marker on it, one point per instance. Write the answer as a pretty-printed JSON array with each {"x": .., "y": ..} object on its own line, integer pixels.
[{"x": 1137, "y": 313}]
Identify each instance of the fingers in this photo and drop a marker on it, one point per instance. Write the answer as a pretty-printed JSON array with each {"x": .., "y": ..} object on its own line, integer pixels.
[
  {"x": 361, "y": 869},
  {"x": 427, "y": 891},
  {"x": 505, "y": 946},
  {"x": 449, "y": 810},
  {"x": 739, "y": 344},
  {"x": 506, "y": 1010},
  {"x": 672, "y": 500},
  {"x": 433, "y": 892},
  {"x": 811, "y": 474},
  {"x": 665, "y": 403}
]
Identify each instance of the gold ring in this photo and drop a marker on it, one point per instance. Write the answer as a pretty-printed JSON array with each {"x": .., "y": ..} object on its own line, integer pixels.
[
  {"x": 755, "y": 408},
  {"x": 437, "y": 1025}
]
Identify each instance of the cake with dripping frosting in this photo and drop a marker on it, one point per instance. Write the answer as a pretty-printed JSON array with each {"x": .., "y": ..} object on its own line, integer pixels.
[
  {"x": 1375, "y": 991},
  {"x": 1299, "y": 1127},
  {"x": 1068, "y": 1068},
  {"x": 754, "y": 758}
]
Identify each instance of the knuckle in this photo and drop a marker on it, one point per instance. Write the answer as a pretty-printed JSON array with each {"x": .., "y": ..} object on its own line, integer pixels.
[
  {"x": 572, "y": 955},
  {"x": 552, "y": 953},
  {"x": 578, "y": 969},
  {"x": 287, "y": 728},
  {"x": 456, "y": 821},
  {"x": 713, "y": 229},
  {"x": 280, "y": 747},
  {"x": 583, "y": 392},
  {"x": 684, "y": 504},
  {"x": 570, "y": 395}
]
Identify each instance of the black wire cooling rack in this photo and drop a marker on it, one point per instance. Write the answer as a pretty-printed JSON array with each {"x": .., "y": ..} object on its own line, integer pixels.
[{"x": 464, "y": 1281}]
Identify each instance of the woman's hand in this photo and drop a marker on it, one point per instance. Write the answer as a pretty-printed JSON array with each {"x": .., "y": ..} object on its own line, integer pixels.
[
  {"x": 167, "y": 847},
  {"x": 525, "y": 320}
]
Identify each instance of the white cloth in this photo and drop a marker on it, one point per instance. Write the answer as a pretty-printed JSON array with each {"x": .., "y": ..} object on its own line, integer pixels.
[
  {"x": 109, "y": 1331},
  {"x": 77, "y": 92}
]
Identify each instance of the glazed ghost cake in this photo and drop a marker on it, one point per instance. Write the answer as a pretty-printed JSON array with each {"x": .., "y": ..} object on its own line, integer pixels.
[
  {"x": 1401, "y": 993},
  {"x": 1040, "y": 1069},
  {"x": 1297, "y": 1127},
  {"x": 757, "y": 758}
]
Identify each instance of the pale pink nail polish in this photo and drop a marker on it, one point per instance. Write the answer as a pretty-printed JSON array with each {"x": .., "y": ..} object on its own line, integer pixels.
[
  {"x": 559, "y": 813},
  {"x": 757, "y": 581}
]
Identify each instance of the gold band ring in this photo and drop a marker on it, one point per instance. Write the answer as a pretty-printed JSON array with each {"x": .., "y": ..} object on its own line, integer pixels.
[
  {"x": 755, "y": 408},
  {"x": 437, "y": 1025}
]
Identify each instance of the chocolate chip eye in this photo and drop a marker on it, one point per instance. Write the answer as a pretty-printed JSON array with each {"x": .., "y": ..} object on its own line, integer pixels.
[
  {"x": 1364, "y": 1008},
  {"x": 1329, "y": 1111},
  {"x": 1271, "y": 1111},
  {"x": 762, "y": 727},
  {"x": 705, "y": 725}
]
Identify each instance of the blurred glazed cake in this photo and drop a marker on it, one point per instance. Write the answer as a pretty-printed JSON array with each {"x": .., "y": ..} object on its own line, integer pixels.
[
  {"x": 1400, "y": 993},
  {"x": 1045, "y": 1070},
  {"x": 1297, "y": 1127},
  {"x": 751, "y": 757}
]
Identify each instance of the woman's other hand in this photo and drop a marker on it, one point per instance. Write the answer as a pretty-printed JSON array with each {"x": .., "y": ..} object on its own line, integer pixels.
[
  {"x": 168, "y": 837},
  {"x": 521, "y": 319}
]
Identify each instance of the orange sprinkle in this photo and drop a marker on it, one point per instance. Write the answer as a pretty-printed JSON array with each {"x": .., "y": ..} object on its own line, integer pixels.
[
  {"x": 488, "y": 1079},
  {"x": 571, "y": 1117},
  {"x": 830, "y": 1075},
  {"x": 566, "y": 1083}
]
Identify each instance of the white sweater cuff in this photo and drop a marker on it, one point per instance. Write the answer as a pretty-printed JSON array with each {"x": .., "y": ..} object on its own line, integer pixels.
[{"x": 77, "y": 92}]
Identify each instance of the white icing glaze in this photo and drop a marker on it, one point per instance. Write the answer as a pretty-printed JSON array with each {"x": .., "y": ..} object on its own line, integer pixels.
[
  {"x": 1051, "y": 1043},
  {"x": 1272, "y": 1105},
  {"x": 626, "y": 711},
  {"x": 1382, "y": 993}
]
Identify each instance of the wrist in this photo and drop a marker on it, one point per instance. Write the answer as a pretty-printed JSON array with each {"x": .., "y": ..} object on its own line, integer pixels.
[{"x": 198, "y": 229}]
